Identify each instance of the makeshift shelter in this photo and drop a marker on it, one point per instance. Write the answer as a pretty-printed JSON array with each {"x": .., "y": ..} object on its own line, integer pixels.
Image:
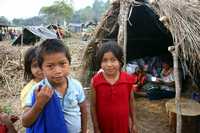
[
  {"x": 61, "y": 32},
  {"x": 3, "y": 28},
  {"x": 32, "y": 34},
  {"x": 3, "y": 25},
  {"x": 75, "y": 27},
  {"x": 144, "y": 34}
]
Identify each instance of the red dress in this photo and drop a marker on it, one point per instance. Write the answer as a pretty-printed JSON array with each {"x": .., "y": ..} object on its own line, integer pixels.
[
  {"x": 3, "y": 129},
  {"x": 112, "y": 103}
]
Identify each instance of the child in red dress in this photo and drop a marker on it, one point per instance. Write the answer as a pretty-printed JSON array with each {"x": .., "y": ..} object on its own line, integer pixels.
[
  {"x": 6, "y": 123},
  {"x": 112, "y": 93}
]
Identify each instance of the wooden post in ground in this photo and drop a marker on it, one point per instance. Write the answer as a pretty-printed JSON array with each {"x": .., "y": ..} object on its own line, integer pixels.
[
  {"x": 122, "y": 20},
  {"x": 175, "y": 52},
  {"x": 20, "y": 49},
  {"x": 122, "y": 35}
]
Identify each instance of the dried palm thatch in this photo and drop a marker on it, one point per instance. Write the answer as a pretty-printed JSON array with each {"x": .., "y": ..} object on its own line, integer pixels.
[
  {"x": 184, "y": 17},
  {"x": 107, "y": 29},
  {"x": 181, "y": 17}
]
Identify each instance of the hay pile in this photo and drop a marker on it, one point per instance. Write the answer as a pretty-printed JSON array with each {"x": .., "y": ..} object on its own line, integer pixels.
[{"x": 11, "y": 70}]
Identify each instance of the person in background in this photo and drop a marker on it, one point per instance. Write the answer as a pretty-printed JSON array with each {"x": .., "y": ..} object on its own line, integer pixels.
[
  {"x": 32, "y": 73},
  {"x": 6, "y": 123}
]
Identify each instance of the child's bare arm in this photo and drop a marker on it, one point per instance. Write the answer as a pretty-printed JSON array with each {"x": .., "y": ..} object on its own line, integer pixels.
[
  {"x": 31, "y": 113},
  {"x": 83, "y": 107},
  {"x": 93, "y": 111},
  {"x": 132, "y": 112}
]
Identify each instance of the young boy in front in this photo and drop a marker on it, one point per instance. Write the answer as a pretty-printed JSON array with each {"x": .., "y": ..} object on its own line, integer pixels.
[{"x": 54, "y": 60}]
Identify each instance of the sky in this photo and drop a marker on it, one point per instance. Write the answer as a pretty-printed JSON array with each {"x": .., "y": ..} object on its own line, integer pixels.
[{"x": 29, "y": 8}]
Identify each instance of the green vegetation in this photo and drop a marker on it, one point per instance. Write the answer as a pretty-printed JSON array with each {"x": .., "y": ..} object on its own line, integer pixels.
[
  {"x": 7, "y": 109},
  {"x": 3, "y": 20},
  {"x": 62, "y": 11},
  {"x": 93, "y": 13},
  {"x": 57, "y": 13}
]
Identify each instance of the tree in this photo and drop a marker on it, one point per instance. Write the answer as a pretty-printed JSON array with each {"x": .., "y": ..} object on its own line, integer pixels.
[
  {"x": 98, "y": 9},
  {"x": 59, "y": 12},
  {"x": 17, "y": 22},
  {"x": 93, "y": 13},
  {"x": 4, "y": 20},
  {"x": 33, "y": 21}
]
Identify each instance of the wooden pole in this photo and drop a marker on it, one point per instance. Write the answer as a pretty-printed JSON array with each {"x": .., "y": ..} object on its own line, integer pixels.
[
  {"x": 120, "y": 37},
  {"x": 122, "y": 20},
  {"x": 175, "y": 52},
  {"x": 20, "y": 50},
  {"x": 125, "y": 33}
]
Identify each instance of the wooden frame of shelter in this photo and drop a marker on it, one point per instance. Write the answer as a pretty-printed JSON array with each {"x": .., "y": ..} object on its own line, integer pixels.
[{"x": 180, "y": 17}]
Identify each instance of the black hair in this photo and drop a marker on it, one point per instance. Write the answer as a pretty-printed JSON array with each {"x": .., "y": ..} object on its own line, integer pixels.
[
  {"x": 110, "y": 46},
  {"x": 50, "y": 46},
  {"x": 29, "y": 56},
  {"x": 167, "y": 58}
]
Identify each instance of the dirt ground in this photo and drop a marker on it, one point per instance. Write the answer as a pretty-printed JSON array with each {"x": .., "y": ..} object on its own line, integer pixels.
[{"x": 151, "y": 116}]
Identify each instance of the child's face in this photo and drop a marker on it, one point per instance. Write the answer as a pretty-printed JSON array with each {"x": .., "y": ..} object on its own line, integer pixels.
[
  {"x": 110, "y": 64},
  {"x": 165, "y": 66},
  {"x": 55, "y": 67},
  {"x": 36, "y": 71}
]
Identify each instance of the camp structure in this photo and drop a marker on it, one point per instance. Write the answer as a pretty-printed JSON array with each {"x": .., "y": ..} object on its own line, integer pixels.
[
  {"x": 3, "y": 29},
  {"x": 75, "y": 27},
  {"x": 147, "y": 28},
  {"x": 32, "y": 34},
  {"x": 3, "y": 25},
  {"x": 61, "y": 31}
]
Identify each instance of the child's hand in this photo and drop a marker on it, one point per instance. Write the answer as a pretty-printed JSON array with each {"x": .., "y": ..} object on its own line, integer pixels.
[
  {"x": 43, "y": 96},
  {"x": 5, "y": 119},
  {"x": 133, "y": 129},
  {"x": 158, "y": 80}
]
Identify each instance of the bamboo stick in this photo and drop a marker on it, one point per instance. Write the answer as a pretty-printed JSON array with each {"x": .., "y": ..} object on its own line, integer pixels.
[{"x": 175, "y": 52}]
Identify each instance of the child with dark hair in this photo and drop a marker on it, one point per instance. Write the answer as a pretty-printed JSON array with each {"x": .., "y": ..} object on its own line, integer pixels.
[
  {"x": 112, "y": 93},
  {"x": 57, "y": 104},
  {"x": 32, "y": 73}
]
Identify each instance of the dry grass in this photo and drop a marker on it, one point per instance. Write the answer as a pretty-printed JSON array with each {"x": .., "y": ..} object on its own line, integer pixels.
[{"x": 11, "y": 70}]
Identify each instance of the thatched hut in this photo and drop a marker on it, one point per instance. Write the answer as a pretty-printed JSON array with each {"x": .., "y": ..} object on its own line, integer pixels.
[
  {"x": 144, "y": 28},
  {"x": 149, "y": 27}
]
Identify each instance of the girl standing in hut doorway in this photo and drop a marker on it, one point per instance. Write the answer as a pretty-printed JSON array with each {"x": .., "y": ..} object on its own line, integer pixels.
[{"x": 112, "y": 93}]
